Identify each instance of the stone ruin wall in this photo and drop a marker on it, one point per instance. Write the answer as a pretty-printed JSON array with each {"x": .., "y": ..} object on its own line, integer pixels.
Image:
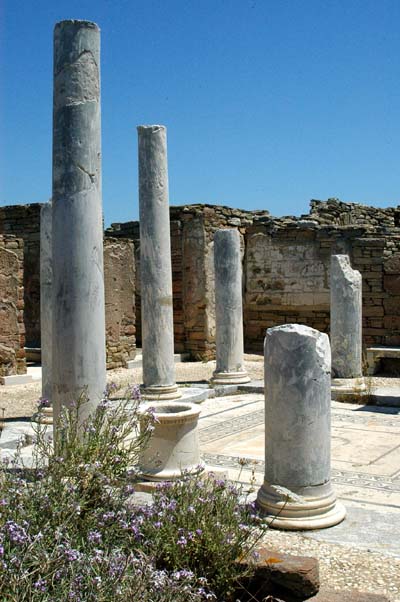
[
  {"x": 119, "y": 282},
  {"x": 119, "y": 288},
  {"x": 285, "y": 266},
  {"x": 12, "y": 331},
  {"x": 192, "y": 233},
  {"x": 23, "y": 221}
]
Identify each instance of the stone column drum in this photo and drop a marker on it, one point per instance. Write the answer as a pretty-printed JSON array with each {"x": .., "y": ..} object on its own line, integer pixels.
[
  {"x": 297, "y": 491},
  {"x": 78, "y": 284},
  {"x": 346, "y": 319},
  {"x": 46, "y": 276},
  {"x": 228, "y": 309},
  {"x": 155, "y": 266}
]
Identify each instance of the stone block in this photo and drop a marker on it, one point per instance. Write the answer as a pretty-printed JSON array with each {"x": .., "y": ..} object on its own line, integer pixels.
[
  {"x": 392, "y": 264},
  {"x": 391, "y": 284},
  {"x": 391, "y": 322},
  {"x": 294, "y": 575}
]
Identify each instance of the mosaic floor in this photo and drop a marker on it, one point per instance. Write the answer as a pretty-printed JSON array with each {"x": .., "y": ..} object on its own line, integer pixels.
[{"x": 365, "y": 462}]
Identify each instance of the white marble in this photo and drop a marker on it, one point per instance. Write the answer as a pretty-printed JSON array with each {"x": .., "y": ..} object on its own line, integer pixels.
[
  {"x": 155, "y": 266},
  {"x": 346, "y": 319},
  {"x": 298, "y": 430},
  {"x": 174, "y": 444},
  {"x": 79, "y": 360},
  {"x": 46, "y": 309},
  {"x": 228, "y": 309}
]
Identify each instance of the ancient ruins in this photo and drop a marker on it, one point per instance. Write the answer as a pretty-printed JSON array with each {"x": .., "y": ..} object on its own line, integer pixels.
[{"x": 286, "y": 275}]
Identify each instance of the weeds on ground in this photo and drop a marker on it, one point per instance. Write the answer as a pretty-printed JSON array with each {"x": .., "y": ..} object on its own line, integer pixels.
[{"x": 69, "y": 533}]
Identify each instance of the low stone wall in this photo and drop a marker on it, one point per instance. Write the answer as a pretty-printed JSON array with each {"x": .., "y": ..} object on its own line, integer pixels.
[
  {"x": 12, "y": 330},
  {"x": 119, "y": 287}
]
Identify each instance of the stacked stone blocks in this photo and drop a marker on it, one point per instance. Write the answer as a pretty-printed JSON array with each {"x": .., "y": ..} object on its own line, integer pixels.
[{"x": 12, "y": 331}]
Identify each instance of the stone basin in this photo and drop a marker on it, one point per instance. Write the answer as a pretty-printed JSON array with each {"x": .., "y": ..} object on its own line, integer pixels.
[{"x": 173, "y": 448}]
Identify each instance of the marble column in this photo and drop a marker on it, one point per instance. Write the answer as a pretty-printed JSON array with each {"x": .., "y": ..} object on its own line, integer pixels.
[
  {"x": 228, "y": 309},
  {"x": 46, "y": 276},
  {"x": 297, "y": 491},
  {"x": 155, "y": 266},
  {"x": 79, "y": 361},
  {"x": 346, "y": 319}
]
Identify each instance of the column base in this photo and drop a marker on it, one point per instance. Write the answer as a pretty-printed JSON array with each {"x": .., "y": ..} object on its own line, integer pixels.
[
  {"x": 318, "y": 508},
  {"x": 160, "y": 393},
  {"x": 347, "y": 388},
  {"x": 230, "y": 378},
  {"x": 44, "y": 416}
]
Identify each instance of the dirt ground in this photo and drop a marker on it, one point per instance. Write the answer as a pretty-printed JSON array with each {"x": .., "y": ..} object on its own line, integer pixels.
[{"x": 21, "y": 400}]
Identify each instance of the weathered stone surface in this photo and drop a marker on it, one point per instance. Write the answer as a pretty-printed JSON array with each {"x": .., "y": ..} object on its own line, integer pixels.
[
  {"x": 23, "y": 222},
  {"x": 46, "y": 305},
  {"x": 155, "y": 265},
  {"x": 295, "y": 575},
  {"x": 346, "y": 318},
  {"x": 119, "y": 284},
  {"x": 391, "y": 264},
  {"x": 297, "y": 430},
  {"x": 12, "y": 353},
  {"x": 392, "y": 284},
  {"x": 228, "y": 308},
  {"x": 78, "y": 281}
]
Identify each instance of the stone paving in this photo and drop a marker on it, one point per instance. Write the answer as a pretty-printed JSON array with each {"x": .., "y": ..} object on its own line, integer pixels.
[{"x": 365, "y": 463}]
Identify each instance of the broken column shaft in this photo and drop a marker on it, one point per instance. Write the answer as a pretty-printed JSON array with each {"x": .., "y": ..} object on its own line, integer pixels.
[
  {"x": 298, "y": 430},
  {"x": 346, "y": 318}
]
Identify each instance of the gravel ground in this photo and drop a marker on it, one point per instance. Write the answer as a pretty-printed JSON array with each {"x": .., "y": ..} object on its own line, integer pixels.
[
  {"x": 341, "y": 567},
  {"x": 21, "y": 400}
]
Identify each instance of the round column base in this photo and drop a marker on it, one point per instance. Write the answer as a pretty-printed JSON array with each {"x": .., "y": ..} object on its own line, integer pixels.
[
  {"x": 160, "y": 393},
  {"x": 348, "y": 385},
  {"x": 44, "y": 416},
  {"x": 230, "y": 378},
  {"x": 317, "y": 509},
  {"x": 348, "y": 389}
]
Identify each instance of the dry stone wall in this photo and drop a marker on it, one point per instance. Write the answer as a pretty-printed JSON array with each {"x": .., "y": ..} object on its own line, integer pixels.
[
  {"x": 119, "y": 286},
  {"x": 23, "y": 221},
  {"x": 12, "y": 330},
  {"x": 119, "y": 274},
  {"x": 286, "y": 272},
  {"x": 287, "y": 269},
  {"x": 192, "y": 233}
]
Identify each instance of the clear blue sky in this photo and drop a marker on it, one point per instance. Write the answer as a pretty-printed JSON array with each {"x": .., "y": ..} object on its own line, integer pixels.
[{"x": 268, "y": 103}]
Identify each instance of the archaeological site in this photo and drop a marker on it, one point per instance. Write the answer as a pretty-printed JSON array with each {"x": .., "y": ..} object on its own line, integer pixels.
[{"x": 286, "y": 272}]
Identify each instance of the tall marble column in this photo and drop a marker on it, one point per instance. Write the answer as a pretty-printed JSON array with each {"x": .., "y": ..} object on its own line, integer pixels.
[
  {"x": 228, "y": 309},
  {"x": 78, "y": 284},
  {"x": 346, "y": 319},
  {"x": 155, "y": 266},
  {"x": 298, "y": 430},
  {"x": 46, "y": 277}
]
